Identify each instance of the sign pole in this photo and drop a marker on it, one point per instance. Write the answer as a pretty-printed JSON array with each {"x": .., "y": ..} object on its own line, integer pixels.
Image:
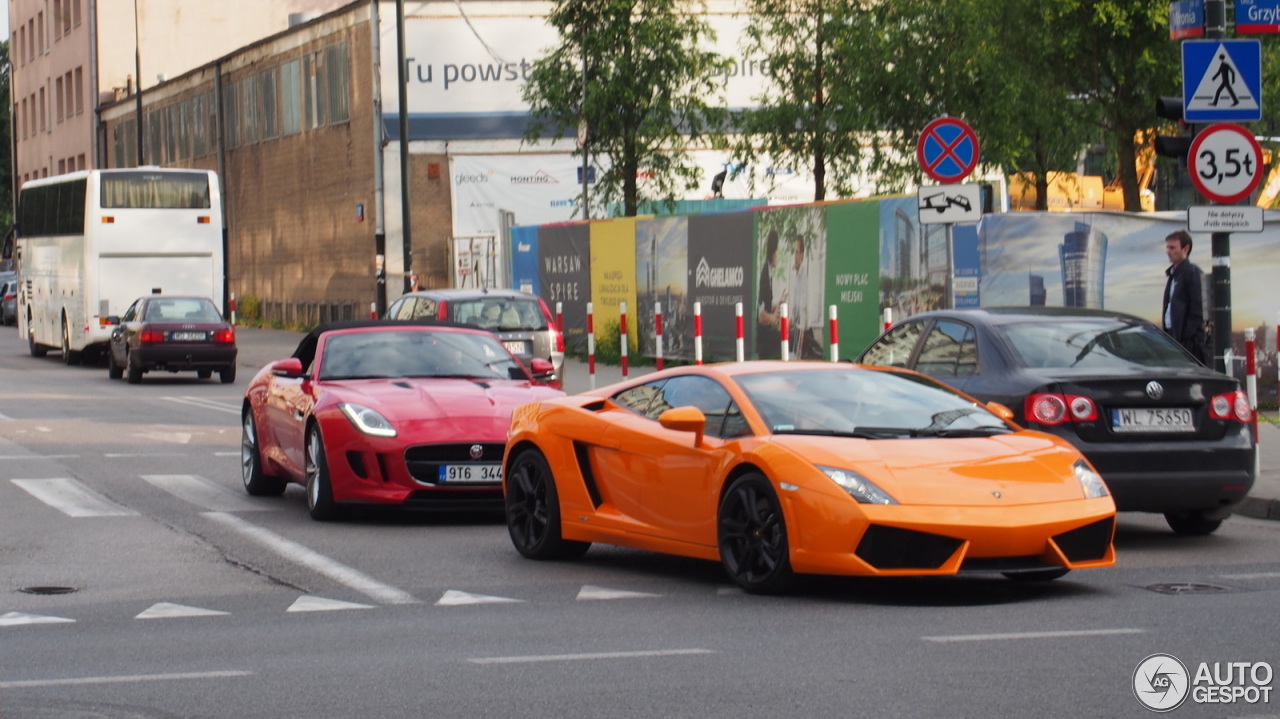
[{"x": 1215, "y": 22}]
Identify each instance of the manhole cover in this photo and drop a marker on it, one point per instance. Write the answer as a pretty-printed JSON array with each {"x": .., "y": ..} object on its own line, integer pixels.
[
  {"x": 1188, "y": 588},
  {"x": 47, "y": 590}
]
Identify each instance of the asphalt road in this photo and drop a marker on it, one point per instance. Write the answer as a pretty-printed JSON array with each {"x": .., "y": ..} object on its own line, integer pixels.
[{"x": 186, "y": 598}]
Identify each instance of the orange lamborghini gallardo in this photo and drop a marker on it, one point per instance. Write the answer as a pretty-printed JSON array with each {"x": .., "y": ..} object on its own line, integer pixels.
[{"x": 776, "y": 468}]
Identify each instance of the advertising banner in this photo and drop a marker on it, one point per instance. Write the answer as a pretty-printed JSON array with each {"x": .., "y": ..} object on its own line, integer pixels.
[
  {"x": 564, "y": 272},
  {"x": 722, "y": 272},
  {"x": 613, "y": 280}
]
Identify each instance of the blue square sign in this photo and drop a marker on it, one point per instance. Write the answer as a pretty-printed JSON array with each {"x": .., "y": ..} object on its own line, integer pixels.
[{"x": 1221, "y": 80}]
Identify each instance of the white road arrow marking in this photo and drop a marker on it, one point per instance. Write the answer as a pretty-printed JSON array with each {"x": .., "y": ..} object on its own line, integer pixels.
[
  {"x": 201, "y": 492},
  {"x": 13, "y": 619},
  {"x": 166, "y": 610},
  {"x": 454, "y": 598},
  {"x": 308, "y": 603},
  {"x": 589, "y": 592}
]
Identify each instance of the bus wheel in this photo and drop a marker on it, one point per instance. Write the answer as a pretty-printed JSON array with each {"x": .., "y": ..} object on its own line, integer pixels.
[
  {"x": 37, "y": 350},
  {"x": 68, "y": 356}
]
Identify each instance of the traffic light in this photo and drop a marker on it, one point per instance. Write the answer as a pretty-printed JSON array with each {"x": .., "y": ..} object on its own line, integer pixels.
[{"x": 1170, "y": 108}]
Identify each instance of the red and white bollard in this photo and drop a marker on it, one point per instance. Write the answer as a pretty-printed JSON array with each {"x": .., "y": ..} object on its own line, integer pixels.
[
  {"x": 785, "y": 325},
  {"x": 622, "y": 334},
  {"x": 888, "y": 318},
  {"x": 697, "y": 332},
  {"x": 657, "y": 328},
  {"x": 233, "y": 309},
  {"x": 835, "y": 335},
  {"x": 740, "y": 347},
  {"x": 591, "y": 346},
  {"x": 1251, "y": 379},
  {"x": 373, "y": 310},
  {"x": 560, "y": 317}
]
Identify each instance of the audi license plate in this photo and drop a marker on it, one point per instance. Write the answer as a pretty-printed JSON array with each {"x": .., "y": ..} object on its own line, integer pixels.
[
  {"x": 516, "y": 347},
  {"x": 464, "y": 473},
  {"x": 187, "y": 336},
  {"x": 1150, "y": 419}
]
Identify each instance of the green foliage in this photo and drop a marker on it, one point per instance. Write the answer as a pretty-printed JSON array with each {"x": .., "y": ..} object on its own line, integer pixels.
[
  {"x": 609, "y": 345},
  {"x": 248, "y": 309},
  {"x": 649, "y": 88}
]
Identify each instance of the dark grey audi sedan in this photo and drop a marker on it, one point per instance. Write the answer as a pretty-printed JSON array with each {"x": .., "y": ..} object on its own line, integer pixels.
[{"x": 1167, "y": 434}]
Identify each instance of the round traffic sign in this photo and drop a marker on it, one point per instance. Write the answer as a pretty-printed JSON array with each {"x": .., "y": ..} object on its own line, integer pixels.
[
  {"x": 1225, "y": 162},
  {"x": 947, "y": 150}
]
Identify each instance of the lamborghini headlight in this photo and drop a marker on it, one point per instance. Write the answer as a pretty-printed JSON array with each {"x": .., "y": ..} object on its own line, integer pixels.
[
  {"x": 858, "y": 487},
  {"x": 1090, "y": 481},
  {"x": 367, "y": 420}
]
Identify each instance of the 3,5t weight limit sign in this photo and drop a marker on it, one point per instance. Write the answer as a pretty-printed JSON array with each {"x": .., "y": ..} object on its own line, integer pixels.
[{"x": 1225, "y": 162}]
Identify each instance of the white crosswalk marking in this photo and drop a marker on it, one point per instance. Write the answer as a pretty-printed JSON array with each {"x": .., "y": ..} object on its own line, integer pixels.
[
  {"x": 167, "y": 610},
  {"x": 72, "y": 498},
  {"x": 308, "y": 603},
  {"x": 454, "y": 598},
  {"x": 590, "y": 592},
  {"x": 204, "y": 493},
  {"x": 13, "y": 619}
]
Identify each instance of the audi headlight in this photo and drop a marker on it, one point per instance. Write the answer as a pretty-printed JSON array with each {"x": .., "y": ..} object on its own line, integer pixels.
[
  {"x": 367, "y": 420},
  {"x": 858, "y": 487},
  {"x": 1090, "y": 481}
]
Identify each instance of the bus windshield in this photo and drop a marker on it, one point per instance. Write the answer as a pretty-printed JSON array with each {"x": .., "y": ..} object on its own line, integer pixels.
[{"x": 155, "y": 190}]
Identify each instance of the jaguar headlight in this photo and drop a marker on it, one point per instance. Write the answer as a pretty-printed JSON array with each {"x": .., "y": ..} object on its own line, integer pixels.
[
  {"x": 858, "y": 487},
  {"x": 1090, "y": 481},
  {"x": 367, "y": 420}
]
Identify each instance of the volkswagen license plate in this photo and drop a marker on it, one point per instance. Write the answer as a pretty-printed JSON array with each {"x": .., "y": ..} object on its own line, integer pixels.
[
  {"x": 187, "y": 336},
  {"x": 516, "y": 347},
  {"x": 1152, "y": 419},
  {"x": 464, "y": 473}
]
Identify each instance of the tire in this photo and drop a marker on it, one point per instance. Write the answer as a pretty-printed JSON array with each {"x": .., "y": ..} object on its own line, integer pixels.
[
  {"x": 256, "y": 482},
  {"x": 1192, "y": 523},
  {"x": 204, "y": 373},
  {"x": 533, "y": 510},
  {"x": 114, "y": 371},
  {"x": 319, "y": 485},
  {"x": 132, "y": 370},
  {"x": 227, "y": 374},
  {"x": 1040, "y": 575},
  {"x": 37, "y": 350},
  {"x": 752, "y": 534},
  {"x": 69, "y": 357}
]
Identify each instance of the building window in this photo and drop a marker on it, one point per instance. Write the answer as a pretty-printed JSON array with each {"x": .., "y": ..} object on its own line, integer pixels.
[
  {"x": 58, "y": 91},
  {"x": 79, "y": 91},
  {"x": 31, "y": 40},
  {"x": 268, "y": 82},
  {"x": 338, "y": 92},
  {"x": 40, "y": 31},
  {"x": 44, "y": 112},
  {"x": 75, "y": 12},
  {"x": 57, "y": 20},
  {"x": 80, "y": 161},
  {"x": 62, "y": 167},
  {"x": 290, "y": 99}
]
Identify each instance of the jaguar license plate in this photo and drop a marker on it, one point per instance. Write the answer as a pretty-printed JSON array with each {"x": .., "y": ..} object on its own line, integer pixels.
[
  {"x": 470, "y": 473},
  {"x": 516, "y": 347},
  {"x": 1151, "y": 419},
  {"x": 187, "y": 336}
]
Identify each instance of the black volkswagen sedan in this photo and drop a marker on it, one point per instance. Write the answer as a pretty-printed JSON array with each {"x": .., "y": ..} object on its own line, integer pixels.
[{"x": 1167, "y": 434}]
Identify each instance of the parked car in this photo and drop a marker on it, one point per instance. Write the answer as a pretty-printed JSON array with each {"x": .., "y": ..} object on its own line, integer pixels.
[
  {"x": 172, "y": 333},
  {"x": 777, "y": 468},
  {"x": 8, "y": 299},
  {"x": 1167, "y": 434},
  {"x": 410, "y": 414},
  {"x": 521, "y": 320}
]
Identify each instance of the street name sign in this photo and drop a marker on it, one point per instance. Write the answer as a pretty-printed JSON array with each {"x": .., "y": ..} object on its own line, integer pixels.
[
  {"x": 1186, "y": 19},
  {"x": 1257, "y": 17}
]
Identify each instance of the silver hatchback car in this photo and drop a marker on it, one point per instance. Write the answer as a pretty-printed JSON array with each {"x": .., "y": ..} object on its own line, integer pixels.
[{"x": 522, "y": 321}]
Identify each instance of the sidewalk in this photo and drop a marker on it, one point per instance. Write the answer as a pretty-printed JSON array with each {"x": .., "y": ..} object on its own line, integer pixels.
[{"x": 258, "y": 347}]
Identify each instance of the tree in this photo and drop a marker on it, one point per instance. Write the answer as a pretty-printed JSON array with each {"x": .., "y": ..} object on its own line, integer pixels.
[
  {"x": 634, "y": 70},
  {"x": 804, "y": 118}
]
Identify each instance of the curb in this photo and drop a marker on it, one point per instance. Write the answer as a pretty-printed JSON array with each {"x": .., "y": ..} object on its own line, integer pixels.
[{"x": 1259, "y": 508}]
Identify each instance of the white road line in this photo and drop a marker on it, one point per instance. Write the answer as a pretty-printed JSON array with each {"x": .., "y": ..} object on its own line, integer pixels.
[
  {"x": 206, "y": 494},
  {"x": 315, "y": 561},
  {"x": 127, "y": 679},
  {"x": 1031, "y": 635},
  {"x": 135, "y": 455},
  {"x": 204, "y": 404},
  {"x": 8, "y": 457},
  {"x": 72, "y": 498},
  {"x": 581, "y": 657},
  {"x": 1255, "y": 575}
]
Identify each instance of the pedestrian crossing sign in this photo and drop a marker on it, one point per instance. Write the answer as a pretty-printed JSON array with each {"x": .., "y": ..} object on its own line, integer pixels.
[{"x": 1221, "y": 80}]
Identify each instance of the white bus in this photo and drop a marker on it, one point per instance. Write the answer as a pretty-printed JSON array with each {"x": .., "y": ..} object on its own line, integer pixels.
[{"x": 89, "y": 243}]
